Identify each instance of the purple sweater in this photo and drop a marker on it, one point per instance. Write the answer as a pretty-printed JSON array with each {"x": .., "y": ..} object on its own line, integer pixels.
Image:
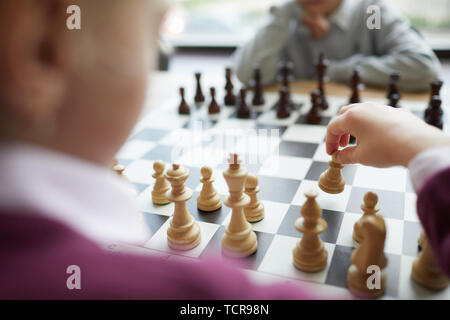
[
  {"x": 433, "y": 208},
  {"x": 35, "y": 253}
]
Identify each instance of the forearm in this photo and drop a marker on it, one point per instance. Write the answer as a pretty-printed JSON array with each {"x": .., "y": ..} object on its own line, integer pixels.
[
  {"x": 416, "y": 70},
  {"x": 266, "y": 47},
  {"x": 430, "y": 174}
]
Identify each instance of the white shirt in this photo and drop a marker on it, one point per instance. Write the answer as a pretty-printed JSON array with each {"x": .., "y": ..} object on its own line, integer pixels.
[{"x": 89, "y": 198}]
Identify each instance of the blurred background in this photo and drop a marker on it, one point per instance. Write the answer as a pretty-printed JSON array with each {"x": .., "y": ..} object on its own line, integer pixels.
[
  {"x": 205, "y": 33},
  {"x": 229, "y": 23}
]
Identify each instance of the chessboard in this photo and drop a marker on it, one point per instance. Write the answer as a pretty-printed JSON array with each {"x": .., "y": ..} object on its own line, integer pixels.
[{"x": 287, "y": 156}]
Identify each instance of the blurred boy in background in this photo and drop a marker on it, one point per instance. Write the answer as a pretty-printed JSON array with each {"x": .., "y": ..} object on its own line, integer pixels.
[{"x": 347, "y": 32}]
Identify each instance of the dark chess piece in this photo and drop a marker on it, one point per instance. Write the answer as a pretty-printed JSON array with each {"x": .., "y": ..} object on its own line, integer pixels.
[
  {"x": 321, "y": 68},
  {"x": 258, "y": 95},
  {"x": 213, "y": 106},
  {"x": 315, "y": 113},
  {"x": 285, "y": 77},
  {"x": 184, "y": 107},
  {"x": 243, "y": 111},
  {"x": 393, "y": 92},
  {"x": 355, "y": 85},
  {"x": 283, "y": 105},
  {"x": 436, "y": 86},
  {"x": 199, "y": 97},
  {"x": 230, "y": 97},
  {"x": 434, "y": 115},
  {"x": 393, "y": 100}
]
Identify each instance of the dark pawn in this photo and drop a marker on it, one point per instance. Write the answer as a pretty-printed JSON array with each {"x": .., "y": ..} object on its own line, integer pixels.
[
  {"x": 355, "y": 85},
  {"x": 184, "y": 107},
  {"x": 258, "y": 95},
  {"x": 285, "y": 77},
  {"x": 199, "y": 97},
  {"x": 436, "y": 86},
  {"x": 393, "y": 92},
  {"x": 213, "y": 106},
  {"x": 315, "y": 113},
  {"x": 283, "y": 105},
  {"x": 434, "y": 115},
  {"x": 230, "y": 97},
  {"x": 321, "y": 68},
  {"x": 243, "y": 111},
  {"x": 393, "y": 100}
]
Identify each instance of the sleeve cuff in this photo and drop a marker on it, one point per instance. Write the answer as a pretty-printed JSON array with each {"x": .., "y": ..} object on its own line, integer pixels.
[{"x": 426, "y": 163}]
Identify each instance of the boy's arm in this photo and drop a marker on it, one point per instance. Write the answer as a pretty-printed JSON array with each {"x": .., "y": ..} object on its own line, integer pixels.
[
  {"x": 399, "y": 49},
  {"x": 430, "y": 174},
  {"x": 267, "y": 45}
]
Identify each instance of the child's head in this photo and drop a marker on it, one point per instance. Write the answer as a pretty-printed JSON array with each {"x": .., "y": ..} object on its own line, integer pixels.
[
  {"x": 320, "y": 7},
  {"x": 76, "y": 91}
]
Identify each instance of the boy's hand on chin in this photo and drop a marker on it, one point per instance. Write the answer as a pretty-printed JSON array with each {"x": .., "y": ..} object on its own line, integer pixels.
[{"x": 318, "y": 25}]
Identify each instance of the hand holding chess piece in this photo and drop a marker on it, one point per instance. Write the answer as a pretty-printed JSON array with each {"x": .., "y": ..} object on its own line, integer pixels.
[
  {"x": 310, "y": 254},
  {"x": 184, "y": 232},
  {"x": 369, "y": 207},
  {"x": 332, "y": 181},
  {"x": 208, "y": 200},
  {"x": 369, "y": 253}
]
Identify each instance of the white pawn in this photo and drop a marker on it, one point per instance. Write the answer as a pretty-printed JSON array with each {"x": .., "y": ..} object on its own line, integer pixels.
[
  {"x": 369, "y": 207},
  {"x": 161, "y": 185},
  {"x": 332, "y": 181},
  {"x": 254, "y": 212},
  {"x": 208, "y": 200}
]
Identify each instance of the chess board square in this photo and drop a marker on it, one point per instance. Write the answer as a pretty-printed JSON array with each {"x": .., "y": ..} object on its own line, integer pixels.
[
  {"x": 252, "y": 262},
  {"x": 321, "y": 153},
  {"x": 411, "y": 207},
  {"x": 200, "y": 124},
  {"x": 230, "y": 124},
  {"x": 303, "y": 119},
  {"x": 270, "y": 118},
  {"x": 268, "y": 127},
  {"x": 154, "y": 221},
  {"x": 160, "y": 152},
  {"x": 199, "y": 156},
  {"x": 277, "y": 189},
  {"x": 163, "y": 120},
  {"x": 409, "y": 186},
  {"x": 411, "y": 234},
  {"x": 183, "y": 137},
  {"x": 410, "y": 289},
  {"x": 274, "y": 213},
  {"x": 140, "y": 187},
  {"x": 253, "y": 114},
  {"x": 387, "y": 178},
  {"x": 279, "y": 260},
  {"x": 305, "y": 133},
  {"x": 150, "y": 135},
  {"x": 326, "y": 201},
  {"x": 333, "y": 219},
  {"x": 341, "y": 261},
  {"x": 297, "y": 149},
  {"x": 146, "y": 205},
  {"x": 140, "y": 171},
  {"x": 317, "y": 168},
  {"x": 135, "y": 149},
  {"x": 286, "y": 167},
  {"x": 216, "y": 217},
  {"x": 391, "y": 203},
  {"x": 159, "y": 240},
  {"x": 125, "y": 162},
  {"x": 394, "y": 233}
]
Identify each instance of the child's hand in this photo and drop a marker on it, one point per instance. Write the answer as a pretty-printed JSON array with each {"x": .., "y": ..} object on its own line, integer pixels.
[{"x": 385, "y": 136}]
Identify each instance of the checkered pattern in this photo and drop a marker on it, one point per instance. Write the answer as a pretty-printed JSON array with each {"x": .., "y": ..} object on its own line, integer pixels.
[{"x": 290, "y": 163}]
